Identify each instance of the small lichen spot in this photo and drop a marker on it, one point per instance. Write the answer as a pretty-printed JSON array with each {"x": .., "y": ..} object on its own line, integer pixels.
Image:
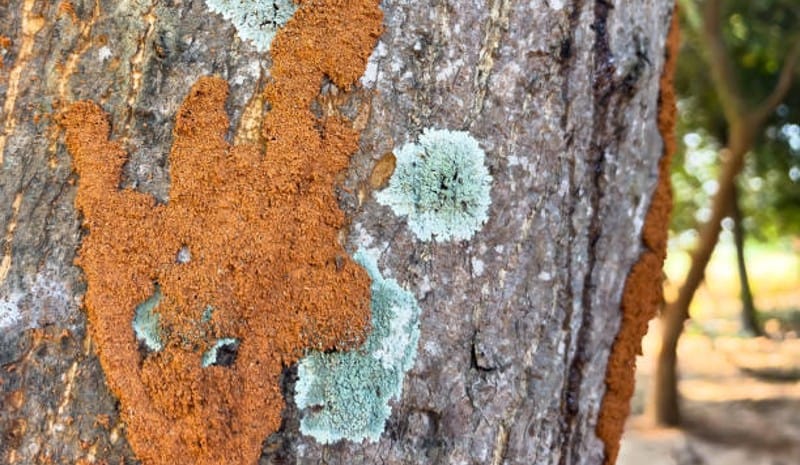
[
  {"x": 184, "y": 255},
  {"x": 223, "y": 352},
  {"x": 208, "y": 312},
  {"x": 146, "y": 322}
]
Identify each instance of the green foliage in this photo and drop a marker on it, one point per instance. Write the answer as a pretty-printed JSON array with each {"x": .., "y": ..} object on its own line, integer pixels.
[
  {"x": 145, "y": 322},
  {"x": 441, "y": 184},
  {"x": 772, "y": 183},
  {"x": 757, "y": 35},
  {"x": 255, "y": 20},
  {"x": 346, "y": 394}
]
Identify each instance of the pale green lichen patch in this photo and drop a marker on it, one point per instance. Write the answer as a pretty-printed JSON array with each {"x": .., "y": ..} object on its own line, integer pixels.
[
  {"x": 146, "y": 322},
  {"x": 441, "y": 184},
  {"x": 213, "y": 356},
  {"x": 256, "y": 21},
  {"x": 346, "y": 394}
]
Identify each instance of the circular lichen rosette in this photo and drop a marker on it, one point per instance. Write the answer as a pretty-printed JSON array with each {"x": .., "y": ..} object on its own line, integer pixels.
[{"x": 441, "y": 185}]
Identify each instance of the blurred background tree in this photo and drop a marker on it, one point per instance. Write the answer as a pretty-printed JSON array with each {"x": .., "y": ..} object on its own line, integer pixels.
[{"x": 737, "y": 170}]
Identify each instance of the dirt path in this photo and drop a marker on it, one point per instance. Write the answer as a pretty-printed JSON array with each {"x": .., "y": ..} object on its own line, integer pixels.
[{"x": 736, "y": 412}]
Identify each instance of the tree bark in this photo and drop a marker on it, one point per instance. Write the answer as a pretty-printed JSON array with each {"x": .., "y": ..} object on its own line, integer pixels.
[
  {"x": 749, "y": 316},
  {"x": 517, "y": 323}
]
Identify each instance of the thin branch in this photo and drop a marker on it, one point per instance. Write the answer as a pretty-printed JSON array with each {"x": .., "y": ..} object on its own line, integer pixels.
[
  {"x": 781, "y": 87},
  {"x": 692, "y": 15},
  {"x": 722, "y": 70}
]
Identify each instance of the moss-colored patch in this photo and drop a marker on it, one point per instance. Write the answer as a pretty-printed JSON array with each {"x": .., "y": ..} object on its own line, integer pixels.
[
  {"x": 346, "y": 394},
  {"x": 263, "y": 234}
]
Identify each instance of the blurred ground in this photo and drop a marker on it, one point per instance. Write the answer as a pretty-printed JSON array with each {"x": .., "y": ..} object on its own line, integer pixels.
[{"x": 741, "y": 395}]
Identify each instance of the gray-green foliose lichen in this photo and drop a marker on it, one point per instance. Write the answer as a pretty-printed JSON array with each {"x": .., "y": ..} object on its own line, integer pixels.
[
  {"x": 346, "y": 394},
  {"x": 255, "y": 20},
  {"x": 146, "y": 322},
  {"x": 441, "y": 184}
]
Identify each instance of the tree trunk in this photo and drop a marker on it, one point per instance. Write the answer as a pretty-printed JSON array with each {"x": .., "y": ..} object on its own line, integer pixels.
[
  {"x": 665, "y": 402},
  {"x": 517, "y": 322},
  {"x": 749, "y": 316}
]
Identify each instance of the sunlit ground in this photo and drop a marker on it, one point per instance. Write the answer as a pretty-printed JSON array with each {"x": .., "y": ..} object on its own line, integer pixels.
[{"x": 741, "y": 395}]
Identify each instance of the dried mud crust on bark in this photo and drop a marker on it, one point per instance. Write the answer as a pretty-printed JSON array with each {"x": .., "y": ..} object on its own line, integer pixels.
[
  {"x": 261, "y": 232},
  {"x": 643, "y": 291}
]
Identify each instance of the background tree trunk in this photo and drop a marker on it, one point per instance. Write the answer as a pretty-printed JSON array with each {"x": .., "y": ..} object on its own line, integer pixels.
[
  {"x": 517, "y": 323},
  {"x": 750, "y": 323}
]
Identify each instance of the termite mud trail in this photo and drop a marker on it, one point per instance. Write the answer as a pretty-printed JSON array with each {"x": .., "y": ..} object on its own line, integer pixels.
[{"x": 244, "y": 257}]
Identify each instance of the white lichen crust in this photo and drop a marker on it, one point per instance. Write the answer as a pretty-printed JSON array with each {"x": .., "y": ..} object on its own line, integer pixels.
[
  {"x": 346, "y": 395},
  {"x": 441, "y": 184},
  {"x": 256, "y": 21}
]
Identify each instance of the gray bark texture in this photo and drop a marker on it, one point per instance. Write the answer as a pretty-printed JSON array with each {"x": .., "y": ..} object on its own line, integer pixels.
[{"x": 517, "y": 322}]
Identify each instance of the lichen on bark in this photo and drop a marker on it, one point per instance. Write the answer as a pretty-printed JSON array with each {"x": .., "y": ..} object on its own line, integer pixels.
[
  {"x": 502, "y": 312},
  {"x": 262, "y": 235}
]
